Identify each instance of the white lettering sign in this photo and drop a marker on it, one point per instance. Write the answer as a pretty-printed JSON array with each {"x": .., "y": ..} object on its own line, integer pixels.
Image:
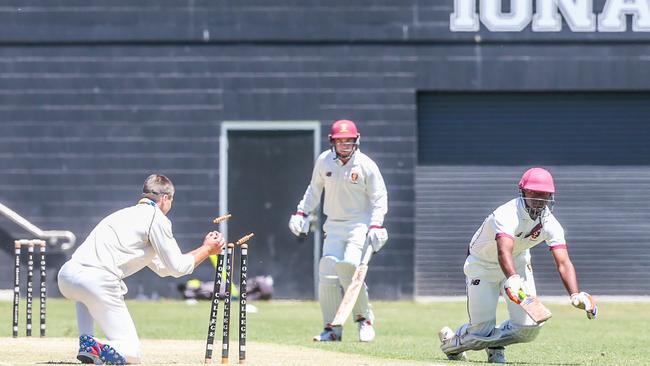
[
  {"x": 521, "y": 12},
  {"x": 613, "y": 17},
  {"x": 464, "y": 17},
  {"x": 579, "y": 15}
]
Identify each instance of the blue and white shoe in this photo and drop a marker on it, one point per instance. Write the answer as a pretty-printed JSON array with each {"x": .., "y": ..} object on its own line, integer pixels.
[
  {"x": 89, "y": 350},
  {"x": 329, "y": 334},
  {"x": 110, "y": 356}
]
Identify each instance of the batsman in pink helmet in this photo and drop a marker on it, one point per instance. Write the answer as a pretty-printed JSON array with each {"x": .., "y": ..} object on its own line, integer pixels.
[
  {"x": 498, "y": 263},
  {"x": 355, "y": 204}
]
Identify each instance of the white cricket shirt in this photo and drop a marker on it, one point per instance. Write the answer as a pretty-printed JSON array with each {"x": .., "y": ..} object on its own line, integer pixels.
[
  {"x": 512, "y": 220},
  {"x": 353, "y": 192},
  {"x": 130, "y": 239}
]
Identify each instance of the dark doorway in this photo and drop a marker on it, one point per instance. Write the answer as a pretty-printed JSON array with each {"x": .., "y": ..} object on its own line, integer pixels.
[{"x": 268, "y": 171}]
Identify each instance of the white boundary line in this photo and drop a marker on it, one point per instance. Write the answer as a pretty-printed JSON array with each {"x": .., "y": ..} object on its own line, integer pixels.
[{"x": 226, "y": 126}]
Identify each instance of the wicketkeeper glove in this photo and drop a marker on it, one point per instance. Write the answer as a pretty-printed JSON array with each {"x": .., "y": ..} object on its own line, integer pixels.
[
  {"x": 584, "y": 301},
  {"x": 514, "y": 288},
  {"x": 299, "y": 223},
  {"x": 377, "y": 236}
]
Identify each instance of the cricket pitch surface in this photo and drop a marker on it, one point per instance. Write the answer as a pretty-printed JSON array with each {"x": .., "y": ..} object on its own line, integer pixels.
[{"x": 62, "y": 351}]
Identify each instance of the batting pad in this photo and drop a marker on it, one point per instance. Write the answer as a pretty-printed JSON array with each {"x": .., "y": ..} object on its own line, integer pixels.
[{"x": 329, "y": 297}]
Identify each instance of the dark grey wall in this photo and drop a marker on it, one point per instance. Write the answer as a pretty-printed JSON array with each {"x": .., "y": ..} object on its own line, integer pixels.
[
  {"x": 83, "y": 126},
  {"x": 597, "y": 129},
  {"x": 93, "y": 97},
  {"x": 377, "y": 21}
]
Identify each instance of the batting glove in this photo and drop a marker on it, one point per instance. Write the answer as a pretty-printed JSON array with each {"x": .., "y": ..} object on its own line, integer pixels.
[
  {"x": 377, "y": 236},
  {"x": 514, "y": 288},
  {"x": 584, "y": 301},
  {"x": 299, "y": 223}
]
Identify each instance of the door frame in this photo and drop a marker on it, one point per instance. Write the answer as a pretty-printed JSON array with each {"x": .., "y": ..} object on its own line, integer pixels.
[{"x": 228, "y": 126}]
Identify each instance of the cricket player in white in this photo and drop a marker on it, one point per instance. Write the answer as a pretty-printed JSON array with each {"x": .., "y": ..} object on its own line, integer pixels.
[
  {"x": 355, "y": 204},
  {"x": 499, "y": 263},
  {"x": 120, "y": 245}
]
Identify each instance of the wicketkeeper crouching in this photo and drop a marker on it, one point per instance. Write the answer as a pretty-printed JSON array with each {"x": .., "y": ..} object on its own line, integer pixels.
[
  {"x": 499, "y": 263},
  {"x": 355, "y": 204}
]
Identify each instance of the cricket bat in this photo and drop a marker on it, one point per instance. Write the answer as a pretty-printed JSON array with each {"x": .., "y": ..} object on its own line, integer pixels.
[
  {"x": 535, "y": 309},
  {"x": 352, "y": 292}
]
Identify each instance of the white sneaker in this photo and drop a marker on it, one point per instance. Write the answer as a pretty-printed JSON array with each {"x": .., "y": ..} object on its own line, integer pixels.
[
  {"x": 496, "y": 355},
  {"x": 366, "y": 330},
  {"x": 329, "y": 334},
  {"x": 446, "y": 335}
]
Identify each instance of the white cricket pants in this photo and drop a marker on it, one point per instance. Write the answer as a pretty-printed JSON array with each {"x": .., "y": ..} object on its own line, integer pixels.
[
  {"x": 344, "y": 240},
  {"x": 99, "y": 296},
  {"x": 485, "y": 284}
]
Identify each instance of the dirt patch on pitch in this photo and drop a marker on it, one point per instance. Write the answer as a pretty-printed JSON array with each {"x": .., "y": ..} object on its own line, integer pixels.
[{"x": 58, "y": 351}]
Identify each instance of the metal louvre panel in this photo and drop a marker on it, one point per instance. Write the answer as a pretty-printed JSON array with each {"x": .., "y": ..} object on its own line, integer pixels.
[
  {"x": 601, "y": 206},
  {"x": 606, "y": 225}
]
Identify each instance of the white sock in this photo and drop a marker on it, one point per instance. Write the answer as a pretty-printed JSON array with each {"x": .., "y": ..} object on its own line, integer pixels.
[{"x": 85, "y": 322}]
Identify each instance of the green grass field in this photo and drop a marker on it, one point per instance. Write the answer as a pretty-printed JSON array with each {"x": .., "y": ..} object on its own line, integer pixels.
[{"x": 405, "y": 330}]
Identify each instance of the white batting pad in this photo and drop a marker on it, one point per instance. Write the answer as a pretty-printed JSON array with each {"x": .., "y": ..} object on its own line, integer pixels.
[
  {"x": 330, "y": 293},
  {"x": 329, "y": 297}
]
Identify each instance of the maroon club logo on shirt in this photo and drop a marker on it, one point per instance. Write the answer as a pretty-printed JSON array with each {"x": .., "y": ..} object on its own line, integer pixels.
[{"x": 534, "y": 233}]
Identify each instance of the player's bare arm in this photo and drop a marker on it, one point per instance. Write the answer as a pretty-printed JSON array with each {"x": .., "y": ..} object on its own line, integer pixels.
[
  {"x": 581, "y": 300},
  {"x": 505, "y": 245},
  {"x": 566, "y": 270},
  {"x": 514, "y": 285}
]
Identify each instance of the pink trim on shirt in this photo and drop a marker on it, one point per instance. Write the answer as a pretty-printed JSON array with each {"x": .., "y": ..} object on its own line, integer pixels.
[
  {"x": 499, "y": 235},
  {"x": 557, "y": 246}
]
